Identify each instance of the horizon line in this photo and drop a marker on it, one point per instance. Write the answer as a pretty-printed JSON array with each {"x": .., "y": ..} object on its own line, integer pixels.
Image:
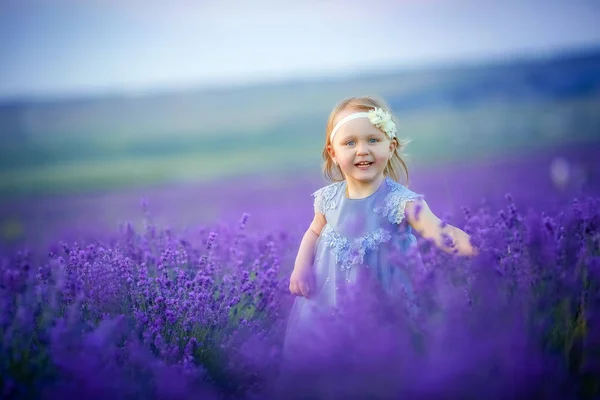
[{"x": 365, "y": 72}]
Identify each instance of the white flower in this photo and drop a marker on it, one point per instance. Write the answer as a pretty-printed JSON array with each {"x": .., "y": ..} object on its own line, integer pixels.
[{"x": 383, "y": 120}]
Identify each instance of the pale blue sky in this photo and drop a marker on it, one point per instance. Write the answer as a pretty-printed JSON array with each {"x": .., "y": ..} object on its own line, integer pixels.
[{"x": 64, "y": 47}]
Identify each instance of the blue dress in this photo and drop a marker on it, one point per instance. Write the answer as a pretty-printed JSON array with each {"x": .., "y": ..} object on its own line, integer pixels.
[{"x": 359, "y": 243}]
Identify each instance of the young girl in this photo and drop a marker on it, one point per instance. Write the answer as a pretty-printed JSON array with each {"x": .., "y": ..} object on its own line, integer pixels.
[{"x": 365, "y": 215}]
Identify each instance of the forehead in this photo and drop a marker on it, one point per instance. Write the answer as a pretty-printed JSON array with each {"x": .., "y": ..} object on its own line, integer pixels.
[{"x": 357, "y": 126}]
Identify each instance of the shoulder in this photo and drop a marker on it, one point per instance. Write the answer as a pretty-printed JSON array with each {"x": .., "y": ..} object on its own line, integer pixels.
[
  {"x": 325, "y": 196},
  {"x": 397, "y": 189},
  {"x": 396, "y": 201}
]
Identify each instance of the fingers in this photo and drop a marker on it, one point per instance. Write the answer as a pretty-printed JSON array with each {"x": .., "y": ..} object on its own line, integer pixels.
[
  {"x": 305, "y": 289},
  {"x": 294, "y": 288},
  {"x": 302, "y": 288}
]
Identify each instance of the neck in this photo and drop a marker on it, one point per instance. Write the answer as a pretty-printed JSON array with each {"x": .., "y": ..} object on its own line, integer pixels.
[{"x": 358, "y": 190}]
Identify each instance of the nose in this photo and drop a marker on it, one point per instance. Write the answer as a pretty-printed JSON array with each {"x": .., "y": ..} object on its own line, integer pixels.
[{"x": 362, "y": 149}]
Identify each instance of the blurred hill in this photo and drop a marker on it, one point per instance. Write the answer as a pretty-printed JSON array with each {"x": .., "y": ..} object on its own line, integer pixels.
[{"x": 58, "y": 145}]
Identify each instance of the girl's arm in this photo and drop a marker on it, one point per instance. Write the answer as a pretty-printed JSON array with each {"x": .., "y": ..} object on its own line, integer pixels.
[
  {"x": 424, "y": 221},
  {"x": 301, "y": 280}
]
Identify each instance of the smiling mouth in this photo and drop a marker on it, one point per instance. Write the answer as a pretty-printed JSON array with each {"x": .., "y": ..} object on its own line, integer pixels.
[{"x": 363, "y": 164}]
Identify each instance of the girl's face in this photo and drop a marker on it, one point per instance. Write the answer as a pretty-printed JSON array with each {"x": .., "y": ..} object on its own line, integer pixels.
[{"x": 361, "y": 150}]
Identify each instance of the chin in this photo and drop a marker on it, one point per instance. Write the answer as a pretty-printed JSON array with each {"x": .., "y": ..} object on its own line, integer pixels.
[{"x": 366, "y": 176}]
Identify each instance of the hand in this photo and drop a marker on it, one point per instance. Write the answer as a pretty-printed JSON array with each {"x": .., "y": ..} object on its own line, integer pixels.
[{"x": 302, "y": 282}]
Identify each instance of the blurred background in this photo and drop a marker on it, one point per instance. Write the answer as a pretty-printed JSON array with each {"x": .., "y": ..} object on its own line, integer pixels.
[{"x": 210, "y": 108}]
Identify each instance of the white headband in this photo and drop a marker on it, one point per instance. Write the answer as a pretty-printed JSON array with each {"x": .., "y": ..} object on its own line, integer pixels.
[{"x": 378, "y": 117}]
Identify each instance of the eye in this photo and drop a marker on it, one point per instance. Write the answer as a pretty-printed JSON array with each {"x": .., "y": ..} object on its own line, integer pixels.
[
  {"x": 350, "y": 143},
  {"x": 373, "y": 140}
]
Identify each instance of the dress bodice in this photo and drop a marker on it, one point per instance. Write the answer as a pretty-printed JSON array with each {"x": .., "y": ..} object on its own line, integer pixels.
[{"x": 356, "y": 227}]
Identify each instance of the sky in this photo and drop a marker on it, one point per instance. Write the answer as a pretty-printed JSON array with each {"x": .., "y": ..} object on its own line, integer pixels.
[{"x": 68, "y": 47}]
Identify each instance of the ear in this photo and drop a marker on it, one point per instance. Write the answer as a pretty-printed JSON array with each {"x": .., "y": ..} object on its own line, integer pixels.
[
  {"x": 330, "y": 151},
  {"x": 393, "y": 145}
]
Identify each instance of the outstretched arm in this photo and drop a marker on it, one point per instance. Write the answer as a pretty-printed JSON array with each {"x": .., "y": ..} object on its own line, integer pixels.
[{"x": 448, "y": 238}]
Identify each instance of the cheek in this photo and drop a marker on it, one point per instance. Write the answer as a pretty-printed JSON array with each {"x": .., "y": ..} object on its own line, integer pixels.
[
  {"x": 344, "y": 156},
  {"x": 347, "y": 161},
  {"x": 383, "y": 157}
]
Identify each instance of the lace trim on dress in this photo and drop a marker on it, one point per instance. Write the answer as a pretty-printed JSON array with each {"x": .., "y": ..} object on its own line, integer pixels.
[
  {"x": 325, "y": 197},
  {"x": 395, "y": 202},
  {"x": 351, "y": 253}
]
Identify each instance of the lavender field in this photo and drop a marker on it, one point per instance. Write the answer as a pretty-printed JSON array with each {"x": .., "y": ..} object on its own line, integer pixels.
[{"x": 198, "y": 310}]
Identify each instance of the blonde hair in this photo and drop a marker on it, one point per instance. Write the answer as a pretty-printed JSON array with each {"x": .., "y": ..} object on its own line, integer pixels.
[{"x": 396, "y": 163}]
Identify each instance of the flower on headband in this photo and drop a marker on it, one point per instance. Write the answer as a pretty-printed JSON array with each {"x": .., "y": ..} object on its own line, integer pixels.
[{"x": 383, "y": 120}]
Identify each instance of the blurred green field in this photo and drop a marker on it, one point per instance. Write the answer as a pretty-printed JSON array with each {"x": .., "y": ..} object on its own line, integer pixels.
[{"x": 71, "y": 146}]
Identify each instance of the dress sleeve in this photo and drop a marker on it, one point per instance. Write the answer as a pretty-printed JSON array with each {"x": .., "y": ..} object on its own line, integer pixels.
[
  {"x": 325, "y": 198},
  {"x": 395, "y": 203},
  {"x": 318, "y": 201}
]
